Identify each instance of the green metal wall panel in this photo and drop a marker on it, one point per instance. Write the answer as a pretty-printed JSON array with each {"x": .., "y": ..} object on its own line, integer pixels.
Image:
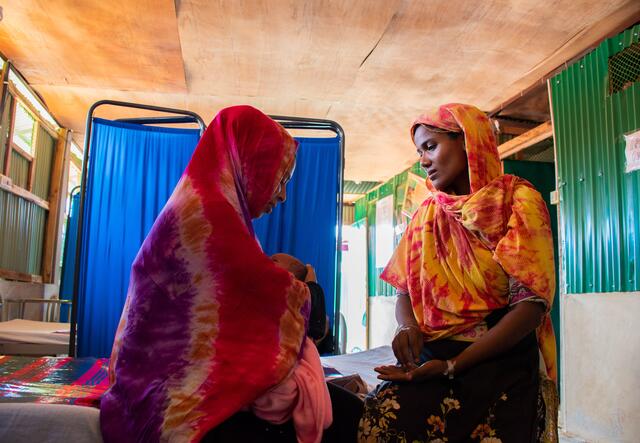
[
  {"x": 372, "y": 196},
  {"x": 386, "y": 189},
  {"x": 376, "y": 286},
  {"x": 360, "y": 209},
  {"x": 599, "y": 202},
  {"x": 353, "y": 187},
  {"x": 22, "y": 225},
  {"x": 44, "y": 153},
  {"x": 19, "y": 170},
  {"x": 402, "y": 178},
  {"x": 417, "y": 169}
]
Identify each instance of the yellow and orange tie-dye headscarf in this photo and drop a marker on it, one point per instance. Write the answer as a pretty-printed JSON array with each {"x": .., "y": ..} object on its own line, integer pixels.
[{"x": 458, "y": 252}]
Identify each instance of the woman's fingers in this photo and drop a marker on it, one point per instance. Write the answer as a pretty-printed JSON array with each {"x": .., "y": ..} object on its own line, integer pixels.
[
  {"x": 416, "y": 345},
  {"x": 386, "y": 369},
  {"x": 402, "y": 349},
  {"x": 431, "y": 369},
  {"x": 392, "y": 373}
]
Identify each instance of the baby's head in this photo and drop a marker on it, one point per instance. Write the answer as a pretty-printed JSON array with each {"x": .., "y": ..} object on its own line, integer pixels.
[{"x": 291, "y": 264}]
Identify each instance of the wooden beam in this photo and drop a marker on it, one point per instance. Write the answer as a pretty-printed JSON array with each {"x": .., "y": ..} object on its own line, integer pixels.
[
  {"x": 7, "y": 153},
  {"x": 20, "y": 276},
  {"x": 514, "y": 127},
  {"x": 62, "y": 213},
  {"x": 55, "y": 207},
  {"x": 529, "y": 138},
  {"x": 7, "y": 184}
]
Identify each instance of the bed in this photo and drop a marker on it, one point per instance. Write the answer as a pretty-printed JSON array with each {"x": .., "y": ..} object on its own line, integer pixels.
[
  {"x": 31, "y": 326},
  {"x": 56, "y": 399},
  {"x": 29, "y": 337}
]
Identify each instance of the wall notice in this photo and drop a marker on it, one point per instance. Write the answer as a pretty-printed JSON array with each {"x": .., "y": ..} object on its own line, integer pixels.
[{"x": 632, "y": 151}]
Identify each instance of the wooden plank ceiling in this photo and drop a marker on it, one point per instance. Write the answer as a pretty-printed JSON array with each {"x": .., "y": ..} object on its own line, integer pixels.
[{"x": 370, "y": 65}]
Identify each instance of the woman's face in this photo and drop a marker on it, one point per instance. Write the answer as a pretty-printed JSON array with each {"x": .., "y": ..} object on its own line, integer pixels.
[
  {"x": 444, "y": 160},
  {"x": 281, "y": 191}
]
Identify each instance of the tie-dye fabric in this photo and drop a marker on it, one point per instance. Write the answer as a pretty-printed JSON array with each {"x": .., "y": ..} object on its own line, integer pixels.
[
  {"x": 458, "y": 252},
  {"x": 210, "y": 322}
]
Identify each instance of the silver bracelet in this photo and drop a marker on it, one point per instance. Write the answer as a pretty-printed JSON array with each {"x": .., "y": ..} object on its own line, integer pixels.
[{"x": 451, "y": 366}]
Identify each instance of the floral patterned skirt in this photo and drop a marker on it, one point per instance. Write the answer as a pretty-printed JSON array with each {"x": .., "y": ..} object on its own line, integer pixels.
[{"x": 496, "y": 401}]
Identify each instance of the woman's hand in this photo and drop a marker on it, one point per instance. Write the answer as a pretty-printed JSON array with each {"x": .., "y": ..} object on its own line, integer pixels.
[
  {"x": 311, "y": 274},
  {"x": 430, "y": 369},
  {"x": 407, "y": 345}
]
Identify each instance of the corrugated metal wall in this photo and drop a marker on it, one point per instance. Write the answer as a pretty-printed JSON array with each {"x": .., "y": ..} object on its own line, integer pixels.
[
  {"x": 22, "y": 223},
  {"x": 599, "y": 202},
  {"x": 44, "y": 150},
  {"x": 19, "y": 170},
  {"x": 22, "y": 226}
]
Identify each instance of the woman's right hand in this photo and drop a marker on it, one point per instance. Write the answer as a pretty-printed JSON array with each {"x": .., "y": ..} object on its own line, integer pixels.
[{"x": 407, "y": 345}]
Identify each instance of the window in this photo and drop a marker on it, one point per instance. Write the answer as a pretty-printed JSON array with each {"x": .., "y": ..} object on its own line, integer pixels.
[
  {"x": 31, "y": 99},
  {"x": 23, "y": 129},
  {"x": 624, "y": 68}
]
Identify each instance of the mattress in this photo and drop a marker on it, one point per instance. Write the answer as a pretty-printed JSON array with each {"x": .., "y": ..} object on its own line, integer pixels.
[
  {"x": 78, "y": 381},
  {"x": 51, "y": 399},
  {"x": 38, "y": 332}
]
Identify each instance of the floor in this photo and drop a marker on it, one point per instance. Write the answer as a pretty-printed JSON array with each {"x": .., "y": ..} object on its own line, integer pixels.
[{"x": 570, "y": 439}]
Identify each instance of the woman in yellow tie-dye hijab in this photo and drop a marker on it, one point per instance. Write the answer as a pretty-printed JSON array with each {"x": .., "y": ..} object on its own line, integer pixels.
[{"x": 475, "y": 278}]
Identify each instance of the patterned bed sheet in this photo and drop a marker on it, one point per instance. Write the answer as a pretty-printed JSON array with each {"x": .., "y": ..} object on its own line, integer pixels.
[{"x": 58, "y": 380}]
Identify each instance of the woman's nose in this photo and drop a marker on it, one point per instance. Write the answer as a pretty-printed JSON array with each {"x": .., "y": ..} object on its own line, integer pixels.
[
  {"x": 425, "y": 161},
  {"x": 282, "y": 195}
]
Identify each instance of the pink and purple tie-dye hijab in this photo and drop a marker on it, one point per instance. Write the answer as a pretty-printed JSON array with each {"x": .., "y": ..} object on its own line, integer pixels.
[{"x": 210, "y": 322}]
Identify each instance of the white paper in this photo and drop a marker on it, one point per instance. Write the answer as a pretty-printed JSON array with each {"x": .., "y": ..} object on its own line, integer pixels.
[{"x": 632, "y": 151}]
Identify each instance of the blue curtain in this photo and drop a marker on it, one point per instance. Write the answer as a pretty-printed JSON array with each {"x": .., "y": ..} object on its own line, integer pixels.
[
  {"x": 132, "y": 172},
  {"x": 305, "y": 226},
  {"x": 69, "y": 257}
]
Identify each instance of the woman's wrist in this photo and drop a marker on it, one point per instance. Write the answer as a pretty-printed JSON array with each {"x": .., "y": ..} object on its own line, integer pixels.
[
  {"x": 408, "y": 325},
  {"x": 450, "y": 369}
]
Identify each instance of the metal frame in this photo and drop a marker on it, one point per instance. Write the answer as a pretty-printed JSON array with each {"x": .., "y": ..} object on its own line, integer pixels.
[
  {"x": 327, "y": 125},
  {"x": 181, "y": 117}
]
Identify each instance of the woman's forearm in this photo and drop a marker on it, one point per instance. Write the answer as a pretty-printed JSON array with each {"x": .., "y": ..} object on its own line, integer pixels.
[
  {"x": 404, "y": 311},
  {"x": 521, "y": 320}
]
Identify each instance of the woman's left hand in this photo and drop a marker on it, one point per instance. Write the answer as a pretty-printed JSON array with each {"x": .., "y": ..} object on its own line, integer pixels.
[
  {"x": 426, "y": 371},
  {"x": 311, "y": 274}
]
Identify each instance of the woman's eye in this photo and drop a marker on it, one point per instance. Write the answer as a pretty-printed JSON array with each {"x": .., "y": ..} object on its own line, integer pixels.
[{"x": 431, "y": 147}]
